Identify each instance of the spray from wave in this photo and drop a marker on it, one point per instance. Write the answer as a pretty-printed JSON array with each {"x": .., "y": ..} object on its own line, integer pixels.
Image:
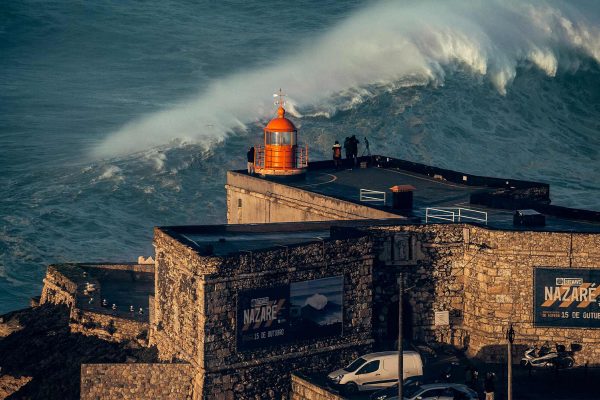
[{"x": 385, "y": 46}]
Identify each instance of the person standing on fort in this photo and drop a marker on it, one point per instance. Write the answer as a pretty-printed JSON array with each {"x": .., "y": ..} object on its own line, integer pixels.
[
  {"x": 347, "y": 149},
  {"x": 354, "y": 150},
  {"x": 337, "y": 154},
  {"x": 367, "y": 150},
  {"x": 488, "y": 386},
  {"x": 250, "y": 156},
  {"x": 469, "y": 376}
]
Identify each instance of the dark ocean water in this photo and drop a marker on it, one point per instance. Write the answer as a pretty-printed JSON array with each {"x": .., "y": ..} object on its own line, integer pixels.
[{"x": 117, "y": 116}]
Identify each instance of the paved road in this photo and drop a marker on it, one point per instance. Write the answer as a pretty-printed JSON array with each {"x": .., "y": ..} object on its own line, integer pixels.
[{"x": 537, "y": 384}]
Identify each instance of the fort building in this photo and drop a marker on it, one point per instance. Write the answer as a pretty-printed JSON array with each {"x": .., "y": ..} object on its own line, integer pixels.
[{"x": 303, "y": 279}]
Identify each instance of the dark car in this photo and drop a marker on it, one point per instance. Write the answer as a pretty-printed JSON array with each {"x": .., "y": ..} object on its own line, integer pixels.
[
  {"x": 434, "y": 391},
  {"x": 392, "y": 391}
]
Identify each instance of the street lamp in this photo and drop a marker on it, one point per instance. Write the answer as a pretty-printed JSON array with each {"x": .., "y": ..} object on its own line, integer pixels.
[
  {"x": 400, "y": 338},
  {"x": 510, "y": 336}
]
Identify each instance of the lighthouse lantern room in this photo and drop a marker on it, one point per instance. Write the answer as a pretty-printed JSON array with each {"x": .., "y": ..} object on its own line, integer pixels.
[{"x": 281, "y": 155}]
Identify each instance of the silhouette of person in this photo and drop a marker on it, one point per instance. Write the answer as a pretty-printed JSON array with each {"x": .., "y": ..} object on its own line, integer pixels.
[
  {"x": 354, "y": 149},
  {"x": 489, "y": 387},
  {"x": 367, "y": 150},
  {"x": 337, "y": 154},
  {"x": 347, "y": 149}
]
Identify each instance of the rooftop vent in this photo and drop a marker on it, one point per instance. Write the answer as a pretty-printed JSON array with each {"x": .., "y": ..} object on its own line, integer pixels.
[{"x": 402, "y": 197}]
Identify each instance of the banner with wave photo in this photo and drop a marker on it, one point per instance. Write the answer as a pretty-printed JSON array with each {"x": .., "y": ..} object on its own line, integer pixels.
[{"x": 282, "y": 314}]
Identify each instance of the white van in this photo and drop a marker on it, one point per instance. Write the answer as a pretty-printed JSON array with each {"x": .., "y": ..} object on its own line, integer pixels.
[{"x": 375, "y": 371}]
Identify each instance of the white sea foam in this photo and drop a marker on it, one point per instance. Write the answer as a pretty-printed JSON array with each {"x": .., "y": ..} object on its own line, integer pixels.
[
  {"x": 316, "y": 301},
  {"x": 111, "y": 172},
  {"x": 386, "y": 44},
  {"x": 157, "y": 159}
]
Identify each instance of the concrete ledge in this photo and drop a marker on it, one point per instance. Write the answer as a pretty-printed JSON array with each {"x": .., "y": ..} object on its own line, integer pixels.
[{"x": 303, "y": 388}]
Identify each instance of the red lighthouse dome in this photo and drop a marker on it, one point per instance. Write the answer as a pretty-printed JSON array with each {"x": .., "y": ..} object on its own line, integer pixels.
[
  {"x": 281, "y": 123},
  {"x": 281, "y": 156}
]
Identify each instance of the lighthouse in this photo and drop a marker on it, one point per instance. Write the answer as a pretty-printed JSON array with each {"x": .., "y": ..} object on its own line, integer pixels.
[{"x": 281, "y": 156}]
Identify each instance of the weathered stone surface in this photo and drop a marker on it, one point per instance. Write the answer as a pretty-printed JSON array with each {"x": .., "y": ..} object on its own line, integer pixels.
[
  {"x": 195, "y": 311},
  {"x": 485, "y": 284},
  {"x": 482, "y": 277},
  {"x": 11, "y": 384},
  {"x": 136, "y": 381},
  {"x": 65, "y": 283},
  {"x": 50, "y": 354},
  {"x": 304, "y": 389}
]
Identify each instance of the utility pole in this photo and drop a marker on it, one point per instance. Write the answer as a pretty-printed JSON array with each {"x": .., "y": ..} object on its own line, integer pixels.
[
  {"x": 510, "y": 335},
  {"x": 400, "y": 350}
]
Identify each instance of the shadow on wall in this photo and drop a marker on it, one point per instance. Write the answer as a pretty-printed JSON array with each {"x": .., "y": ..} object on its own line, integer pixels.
[
  {"x": 47, "y": 351},
  {"x": 388, "y": 315},
  {"x": 498, "y": 353}
]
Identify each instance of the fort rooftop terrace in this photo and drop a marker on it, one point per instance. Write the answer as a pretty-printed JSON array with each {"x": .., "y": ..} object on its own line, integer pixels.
[{"x": 444, "y": 192}]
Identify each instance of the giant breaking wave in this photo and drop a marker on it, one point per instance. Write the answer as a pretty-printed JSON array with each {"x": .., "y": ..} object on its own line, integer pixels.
[{"x": 382, "y": 47}]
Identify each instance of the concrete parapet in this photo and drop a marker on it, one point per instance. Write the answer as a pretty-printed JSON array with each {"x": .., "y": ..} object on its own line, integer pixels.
[
  {"x": 254, "y": 200},
  {"x": 109, "y": 327},
  {"x": 305, "y": 389}
]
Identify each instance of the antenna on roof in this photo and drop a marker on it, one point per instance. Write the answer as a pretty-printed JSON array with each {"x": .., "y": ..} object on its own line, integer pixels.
[{"x": 280, "y": 95}]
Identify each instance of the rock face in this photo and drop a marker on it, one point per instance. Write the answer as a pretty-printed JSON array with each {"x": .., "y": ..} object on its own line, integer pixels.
[
  {"x": 43, "y": 359},
  {"x": 9, "y": 324},
  {"x": 11, "y": 384}
]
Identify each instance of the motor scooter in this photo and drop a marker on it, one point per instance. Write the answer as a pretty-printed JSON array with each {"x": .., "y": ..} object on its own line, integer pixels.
[{"x": 546, "y": 357}]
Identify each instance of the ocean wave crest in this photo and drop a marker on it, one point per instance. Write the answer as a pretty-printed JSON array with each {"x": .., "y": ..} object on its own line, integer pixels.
[{"x": 386, "y": 45}]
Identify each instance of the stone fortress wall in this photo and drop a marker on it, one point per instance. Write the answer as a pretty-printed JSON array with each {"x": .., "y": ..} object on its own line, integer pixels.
[
  {"x": 254, "y": 200},
  {"x": 135, "y": 381},
  {"x": 196, "y": 309},
  {"x": 65, "y": 284},
  {"x": 479, "y": 275},
  {"x": 483, "y": 277},
  {"x": 499, "y": 273}
]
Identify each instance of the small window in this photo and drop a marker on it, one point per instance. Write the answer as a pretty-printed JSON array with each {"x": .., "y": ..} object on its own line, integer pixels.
[
  {"x": 239, "y": 202},
  {"x": 355, "y": 365},
  {"x": 281, "y": 138},
  {"x": 369, "y": 367}
]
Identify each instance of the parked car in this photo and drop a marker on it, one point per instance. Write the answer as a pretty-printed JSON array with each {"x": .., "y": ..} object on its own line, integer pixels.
[
  {"x": 375, "y": 371},
  {"x": 392, "y": 391},
  {"x": 433, "y": 391}
]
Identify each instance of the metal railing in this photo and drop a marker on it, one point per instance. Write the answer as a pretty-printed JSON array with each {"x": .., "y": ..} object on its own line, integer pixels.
[
  {"x": 455, "y": 214},
  {"x": 259, "y": 156},
  {"x": 302, "y": 156},
  {"x": 367, "y": 195},
  {"x": 300, "y": 161}
]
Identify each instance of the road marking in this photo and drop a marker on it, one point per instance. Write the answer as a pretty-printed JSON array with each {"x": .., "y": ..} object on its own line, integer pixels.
[{"x": 333, "y": 179}]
